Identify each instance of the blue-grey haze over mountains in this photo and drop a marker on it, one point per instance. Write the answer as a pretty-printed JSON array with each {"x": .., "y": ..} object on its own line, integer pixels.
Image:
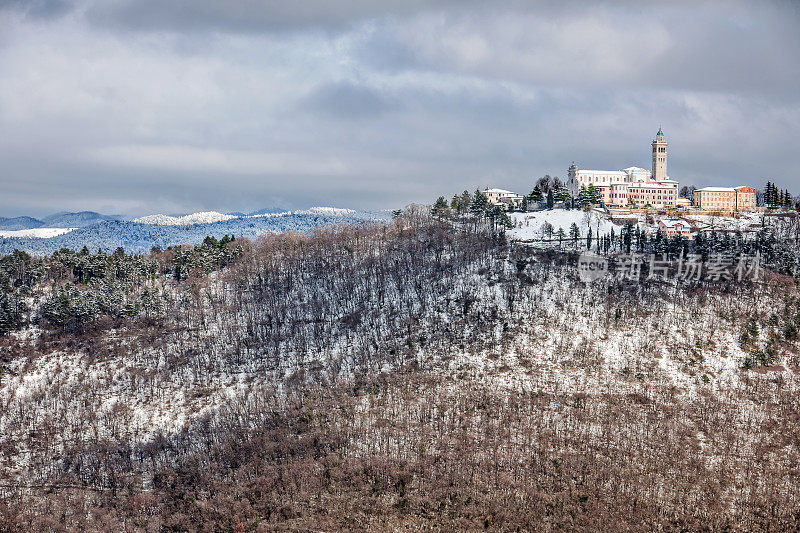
[{"x": 138, "y": 107}]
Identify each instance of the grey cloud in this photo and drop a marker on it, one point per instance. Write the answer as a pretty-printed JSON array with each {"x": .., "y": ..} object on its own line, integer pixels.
[
  {"x": 281, "y": 15},
  {"x": 38, "y": 9},
  {"x": 247, "y": 15},
  {"x": 346, "y": 101},
  {"x": 418, "y": 101},
  {"x": 703, "y": 47}
]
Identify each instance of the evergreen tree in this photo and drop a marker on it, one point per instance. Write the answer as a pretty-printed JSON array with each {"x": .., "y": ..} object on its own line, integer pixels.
[
  {"x": 560, "y": 194},
  {"x": 593, "y": 194},
  {"x": 547, "y": 230},
  {"x": 583, "y": 201},
  {"x": 466, "y": 201},
  {"x": 560, "y": 234},
  {"x": 574, "y": 233},
  {"x": 628, "y": 236},
  {"x": 10, "y": 314},
  {"x": 479, "y": 203},
  {"x": 439, "y": 207},
  {"x": 550, "y": 199},
  {"x": 536, "y": 194}
]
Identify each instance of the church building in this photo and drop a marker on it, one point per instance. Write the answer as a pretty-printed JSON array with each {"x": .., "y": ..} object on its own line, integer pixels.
[{"x": 633, "y": 186}]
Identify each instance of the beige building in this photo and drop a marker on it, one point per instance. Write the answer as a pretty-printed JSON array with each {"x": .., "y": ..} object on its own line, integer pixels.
[
  {"x": 508, "y": 199},
  {"x": 732, "y": 199}
]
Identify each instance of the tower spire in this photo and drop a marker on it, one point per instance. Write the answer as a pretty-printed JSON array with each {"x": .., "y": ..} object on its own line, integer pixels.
[{"x": 659, "y": 171}]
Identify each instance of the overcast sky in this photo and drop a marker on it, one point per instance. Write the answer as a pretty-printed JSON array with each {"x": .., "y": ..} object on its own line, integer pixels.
[{"x": 138, "y": 107}]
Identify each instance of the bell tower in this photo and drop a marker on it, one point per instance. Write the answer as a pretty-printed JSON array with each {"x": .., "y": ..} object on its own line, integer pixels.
[{"x": 659, "y": 157}]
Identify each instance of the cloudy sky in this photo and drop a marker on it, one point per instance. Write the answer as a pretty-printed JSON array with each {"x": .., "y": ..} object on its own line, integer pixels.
[{"x": 144, "y": 106}]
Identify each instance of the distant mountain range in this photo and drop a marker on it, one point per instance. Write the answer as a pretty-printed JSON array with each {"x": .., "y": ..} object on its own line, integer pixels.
[
  {"x": 59, "y": 220},
  {"x": 20, "y": 223},
  {"x": 139, "y": 236}
]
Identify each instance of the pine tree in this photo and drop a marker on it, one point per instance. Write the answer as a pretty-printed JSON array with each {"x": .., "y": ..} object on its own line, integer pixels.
[
  {"x": 560, "y": 193},
  {"x": 10, "y": 314},
  {"x": 560, "y": 234},
  {"x": 550, "y": 199},
  {"x": 593, "y": 194},
  {"x": 479, "y": 203},
  {"x": 536, "y": 194},
  {"x": 466, "y": 200},
  {"x": 583, "y": 197},
  {"x": 547, "y": 229},
  {"x": 439, "y": 207},
  {"x": 574, "y": 233}
]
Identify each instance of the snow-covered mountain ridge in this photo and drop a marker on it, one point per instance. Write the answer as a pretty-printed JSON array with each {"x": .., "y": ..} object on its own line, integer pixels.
[
  {"x": 141, "y": 235},
  {"x": 210, "y": 217},
  {"x": 204, "y": 217}
]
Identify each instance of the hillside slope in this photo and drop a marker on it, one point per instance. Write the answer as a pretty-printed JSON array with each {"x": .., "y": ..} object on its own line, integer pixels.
[{"x": 418, "y": 374}]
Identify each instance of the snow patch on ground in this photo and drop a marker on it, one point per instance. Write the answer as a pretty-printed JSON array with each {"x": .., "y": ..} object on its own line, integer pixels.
[
  {"x": 529, "y": 226},
  {"x": 743, "y": 222},
  {"x": 37, "y": 233}
]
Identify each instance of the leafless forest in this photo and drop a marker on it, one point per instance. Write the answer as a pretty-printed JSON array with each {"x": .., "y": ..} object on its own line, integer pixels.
[{"x": 418, "y": 375}]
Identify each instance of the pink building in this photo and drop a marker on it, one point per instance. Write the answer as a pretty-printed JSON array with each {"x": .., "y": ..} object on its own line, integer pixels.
[{"x": 657, "y": 194}]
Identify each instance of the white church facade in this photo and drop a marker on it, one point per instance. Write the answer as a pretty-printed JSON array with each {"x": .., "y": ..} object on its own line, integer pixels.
[{"x": 632, "y": 186}]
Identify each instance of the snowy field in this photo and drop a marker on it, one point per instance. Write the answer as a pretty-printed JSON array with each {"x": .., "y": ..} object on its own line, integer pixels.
[
  {"x": 36, "y": 233},
  {"x": 726, "y": 223},
  {"x": 529, "y": 226}
]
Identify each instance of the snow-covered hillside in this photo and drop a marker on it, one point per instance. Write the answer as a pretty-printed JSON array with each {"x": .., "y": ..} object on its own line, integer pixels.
[
  {"x": 38, "y": 233},
  {"x": 529, "y": 226},
  {"x": 204, "y": 217}
]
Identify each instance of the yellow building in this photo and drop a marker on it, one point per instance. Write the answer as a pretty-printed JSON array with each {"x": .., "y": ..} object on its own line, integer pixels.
[
  {"x": 733, "y": 199},
  {"x": 507, "y": 199}
]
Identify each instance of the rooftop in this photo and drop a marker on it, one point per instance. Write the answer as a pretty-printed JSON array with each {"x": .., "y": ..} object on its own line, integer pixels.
[
  {"x": 620, "y": 172},
  {"x": 673, "y": 223},
  {"x": 500, "y": 191}
]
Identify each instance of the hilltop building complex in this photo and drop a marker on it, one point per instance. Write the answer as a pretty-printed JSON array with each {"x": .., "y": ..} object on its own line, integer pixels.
[{"x": 633, "y": 186}]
